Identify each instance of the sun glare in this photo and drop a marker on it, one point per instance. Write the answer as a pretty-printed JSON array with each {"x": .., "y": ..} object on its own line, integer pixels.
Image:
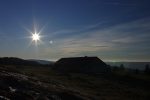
[{"x": 35, "y": 37}]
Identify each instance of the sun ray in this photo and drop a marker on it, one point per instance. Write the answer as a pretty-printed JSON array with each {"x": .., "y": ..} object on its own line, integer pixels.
[{"x": 36, "y": 34}]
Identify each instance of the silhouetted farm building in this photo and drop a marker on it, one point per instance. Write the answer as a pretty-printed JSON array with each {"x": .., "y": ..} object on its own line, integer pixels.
[{"x": 81, "y": 64}]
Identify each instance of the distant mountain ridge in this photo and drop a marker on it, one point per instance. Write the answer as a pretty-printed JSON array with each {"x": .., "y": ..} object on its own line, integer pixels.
[
  {"x": 18, "y": 61},
  {"x": 42, "y": 61},
  {"x": 132, "y": 65}
]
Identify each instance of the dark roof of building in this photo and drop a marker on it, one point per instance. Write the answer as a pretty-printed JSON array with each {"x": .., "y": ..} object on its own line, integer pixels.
[
  {"x": 81, "y": 64},
  {"x": 79, "y": 59}
]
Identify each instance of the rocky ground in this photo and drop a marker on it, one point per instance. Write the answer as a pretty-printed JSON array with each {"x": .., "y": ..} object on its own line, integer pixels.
[
  {"x": 42, "y": 83},
  {"x": 16, "y": 86}
]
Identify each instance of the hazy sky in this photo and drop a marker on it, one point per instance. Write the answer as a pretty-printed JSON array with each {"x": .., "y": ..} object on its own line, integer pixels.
[{"x": 113, "y": 30}]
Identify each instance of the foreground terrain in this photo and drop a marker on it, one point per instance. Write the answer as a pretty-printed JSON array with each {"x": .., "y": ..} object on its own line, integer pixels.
[{"x": 43, "y": 83}]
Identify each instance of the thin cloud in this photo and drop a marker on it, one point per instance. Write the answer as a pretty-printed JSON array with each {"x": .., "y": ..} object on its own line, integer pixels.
[
  {"x": 80, "y": 30},
  {"x": 122, "y": 39}
]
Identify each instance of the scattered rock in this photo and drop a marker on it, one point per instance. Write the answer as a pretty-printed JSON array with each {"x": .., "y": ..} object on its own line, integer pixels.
[{"x": 16, "y": 86}]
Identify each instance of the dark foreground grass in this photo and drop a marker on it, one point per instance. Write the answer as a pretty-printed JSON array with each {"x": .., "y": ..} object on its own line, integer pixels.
[{"x": 95, "y": 87}]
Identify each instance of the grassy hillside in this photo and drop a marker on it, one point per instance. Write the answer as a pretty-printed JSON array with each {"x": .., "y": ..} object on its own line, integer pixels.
[{"x": 113, "y": 86}]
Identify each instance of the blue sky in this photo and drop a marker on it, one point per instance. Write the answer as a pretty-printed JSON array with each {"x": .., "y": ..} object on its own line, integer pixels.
[{"x": 113, "y": 30}]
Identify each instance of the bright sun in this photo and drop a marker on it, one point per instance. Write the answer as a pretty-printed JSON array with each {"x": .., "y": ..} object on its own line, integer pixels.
[{"x": 35, "y": 37}]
